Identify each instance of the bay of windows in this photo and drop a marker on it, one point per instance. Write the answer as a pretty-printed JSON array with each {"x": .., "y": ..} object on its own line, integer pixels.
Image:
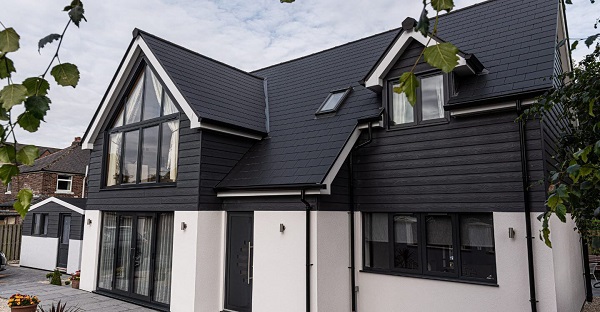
[
  {"x": 429, "y": 105},
  {"x": 459, "y": 246},
  {"x": 144, "y": 137}
]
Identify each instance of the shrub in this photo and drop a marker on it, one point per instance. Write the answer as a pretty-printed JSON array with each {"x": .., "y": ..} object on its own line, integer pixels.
[
  {"x": 67, "y": 282},
  {"x": 56, "y": 278},
  {"x": 59, "y": 308}
]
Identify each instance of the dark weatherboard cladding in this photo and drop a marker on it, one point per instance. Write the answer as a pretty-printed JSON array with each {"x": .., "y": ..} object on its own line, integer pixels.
[{"x": 53, "y": 211}]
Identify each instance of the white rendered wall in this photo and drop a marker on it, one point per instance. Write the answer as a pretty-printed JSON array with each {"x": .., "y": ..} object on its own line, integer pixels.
[
  {"x": 197, "y": 274},
  {"x": 74, "y": 258},
  {"x": 330, "y": 272},
  {"x": 39, "y": 252},
  {"x": 378, "y": 292},
  {"x": 568, "y": 265},
  {"x": 90, "y": 249},
  {"x": 279, "y": 282}
]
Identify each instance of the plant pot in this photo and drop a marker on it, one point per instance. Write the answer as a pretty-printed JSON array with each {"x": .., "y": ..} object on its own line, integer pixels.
[
  {"x": 29, "y": 308},
  {"x": 75, "y": 284}
]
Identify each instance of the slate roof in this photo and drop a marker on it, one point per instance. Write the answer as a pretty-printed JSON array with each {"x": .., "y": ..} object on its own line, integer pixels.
[
  {"x": 514, "y": 40},
  {"x": 72, "y": 159},
  {"x": 216, "y": 91},
  {"x": 42, "y": 149}
]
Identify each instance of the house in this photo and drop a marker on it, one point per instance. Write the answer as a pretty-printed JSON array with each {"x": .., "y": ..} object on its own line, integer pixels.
[
  {"x": 310, "y": 186},
  {"x": 61, "y": 174},
  {"x": 52, "y": 234}
]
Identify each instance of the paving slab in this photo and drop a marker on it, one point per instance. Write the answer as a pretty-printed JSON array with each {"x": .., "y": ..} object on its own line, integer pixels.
[{"x": 28, "y": 281}]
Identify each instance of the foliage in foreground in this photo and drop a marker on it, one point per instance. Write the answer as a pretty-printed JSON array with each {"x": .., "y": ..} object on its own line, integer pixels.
[{"x": 575, "y": 184}]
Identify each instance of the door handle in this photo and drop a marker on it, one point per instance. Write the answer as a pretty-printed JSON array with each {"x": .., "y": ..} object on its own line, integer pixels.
[{"x": 249, "y": 261}]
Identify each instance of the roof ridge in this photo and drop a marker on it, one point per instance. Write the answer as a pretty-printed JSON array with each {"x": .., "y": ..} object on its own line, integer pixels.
[
  {"x": 60, "y": 156},
  {"x": 138, "y": 31}
]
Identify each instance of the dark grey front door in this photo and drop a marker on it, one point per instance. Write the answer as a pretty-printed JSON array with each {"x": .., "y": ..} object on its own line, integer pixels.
[
  {"x": 63, "y": 240},
  {"x": 238, "y": 276}
]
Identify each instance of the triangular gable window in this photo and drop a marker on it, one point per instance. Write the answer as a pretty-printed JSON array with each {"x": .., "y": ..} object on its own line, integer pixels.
[{"x": 144, "y": 137}]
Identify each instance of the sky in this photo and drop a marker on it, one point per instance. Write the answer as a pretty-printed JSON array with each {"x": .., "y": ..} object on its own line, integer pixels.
[{"x": 242, "y": 33}]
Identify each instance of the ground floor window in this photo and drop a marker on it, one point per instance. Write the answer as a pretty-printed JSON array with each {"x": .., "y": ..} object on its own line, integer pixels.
[
  {"x": 136, "y": 252},
  {"x": 449, "y": 245}
]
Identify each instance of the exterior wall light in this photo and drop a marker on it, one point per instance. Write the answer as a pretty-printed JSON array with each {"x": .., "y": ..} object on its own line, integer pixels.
[
  {"x": 281, "y": 227},
  {"x": 89, "y": 222},
  {"x": 183, "y": 226},
  {"x": 511, "y": 233}
]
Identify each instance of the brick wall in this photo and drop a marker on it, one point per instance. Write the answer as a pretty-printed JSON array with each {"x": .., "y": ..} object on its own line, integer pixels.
[{"x": 42, "y": 184}]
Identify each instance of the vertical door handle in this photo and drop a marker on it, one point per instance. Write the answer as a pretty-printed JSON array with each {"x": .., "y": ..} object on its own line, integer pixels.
[{"x": 249, "y": 262}]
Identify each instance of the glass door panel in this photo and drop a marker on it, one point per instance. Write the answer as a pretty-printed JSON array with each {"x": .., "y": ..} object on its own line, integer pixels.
[
  {"x": 141, "y": 273},
  {"x": 124, "y": 251}
]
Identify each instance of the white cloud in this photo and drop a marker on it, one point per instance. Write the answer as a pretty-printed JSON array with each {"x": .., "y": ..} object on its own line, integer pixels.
[{"x": 245, "y": 34}]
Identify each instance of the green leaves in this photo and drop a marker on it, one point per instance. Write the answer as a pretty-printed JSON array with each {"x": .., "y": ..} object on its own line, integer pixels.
[
  {"x": 408, "y": 85},
  {"x": 23, "y": 201},
  {"x": 46, "y": 40},
  {"x": 12, "y": 95},
  {"x": 76, "y": 12},
  {"x": 27, "y": 155},
  {"x": 590, "y": 40},
  {"x": 36, "y": 86},
  {"x": 423, "y": 24},
  {"x": 441, "y": 5},
  {"x": 38, "y": 106},
  {"x": 443, "y": 56},
  {"x": 7, "y": 171},
  {"x": 6, "y": 67},
  {"x": 9, "y": 41},
  {"x": 287, "y": 1},
  {"x": 7, "y": 154},
  {"x": 28, "y": 121},
  {"x": 66, "y": 74},
  {"x": 574, "y": 45}
]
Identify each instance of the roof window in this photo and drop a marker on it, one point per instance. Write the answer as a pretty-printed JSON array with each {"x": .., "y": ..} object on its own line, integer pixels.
[{"x": 333, "y": 101}]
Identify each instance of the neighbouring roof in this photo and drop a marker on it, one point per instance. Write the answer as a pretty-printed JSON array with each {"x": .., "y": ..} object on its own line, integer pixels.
[
  {"x": 216, "y": 91},
  {"x": 72, "y": 159},
  {"x": 513, "y": 39},
  {"x": 42, "y": 149}
]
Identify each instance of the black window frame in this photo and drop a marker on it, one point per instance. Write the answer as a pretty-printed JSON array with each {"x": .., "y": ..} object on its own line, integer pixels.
[
  {"x": 346, "y": 92},
  {"x": 421, "y": 272},
  {"x": 139, "y": 126},
  {"x": 418, "y": 111},
  {"x": 34, "y": 224}
]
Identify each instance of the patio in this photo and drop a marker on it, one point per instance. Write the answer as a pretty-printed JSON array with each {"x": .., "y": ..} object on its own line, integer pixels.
[{"x": 33, "y": 282}]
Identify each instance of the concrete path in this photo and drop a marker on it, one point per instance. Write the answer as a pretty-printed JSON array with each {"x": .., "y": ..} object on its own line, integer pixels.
[{"x": 33, "y": 282}]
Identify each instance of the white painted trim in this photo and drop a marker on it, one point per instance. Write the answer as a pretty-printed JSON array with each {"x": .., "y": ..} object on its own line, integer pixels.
[
  {"x": 481, "y": 109},
  {"x": 57, "y": 201},
  {"x": 402, "y": 42},
  {"x": 562, "y": 33},
  {"x": 138, "y": 47},
  {"x": 335, "y": 168},
  {"x": 229, "y": 131}
]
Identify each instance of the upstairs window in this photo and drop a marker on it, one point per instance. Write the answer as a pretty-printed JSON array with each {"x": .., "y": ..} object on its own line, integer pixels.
[
  {"x": 429, "y": 105},
  {"x": 144, "y": 138},
  {"x": 333, "y": 101},
  {"x": 64, "y": 183}
]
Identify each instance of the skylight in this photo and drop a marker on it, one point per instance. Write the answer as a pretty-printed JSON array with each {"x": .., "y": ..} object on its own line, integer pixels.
[{"x": 333, "y": 101}]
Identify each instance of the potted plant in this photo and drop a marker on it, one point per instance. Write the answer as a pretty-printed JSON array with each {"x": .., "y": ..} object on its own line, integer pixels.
[
  {"x": 75, "y": 277},
  {"x": 23, "y": 303}
]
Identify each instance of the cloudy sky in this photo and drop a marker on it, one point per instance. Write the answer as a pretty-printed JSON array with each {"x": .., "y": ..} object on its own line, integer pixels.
[{"x": 246, "y": 34}]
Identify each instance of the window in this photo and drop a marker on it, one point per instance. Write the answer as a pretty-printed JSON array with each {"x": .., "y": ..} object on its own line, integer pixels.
[
  {"x": 40, "y": 224},
  {"x": 333, "y": 101},
  {"x": 429, "y": 106},
  {"x": 64, "y": 183},
  {"x": 144, "y": 137},
  {"x": 456, "y": 246},
  {"x": 8, "y": 188}
]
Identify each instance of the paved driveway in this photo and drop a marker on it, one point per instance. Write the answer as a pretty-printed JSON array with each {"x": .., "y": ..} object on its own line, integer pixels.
[{"x": 34, "y": 282}]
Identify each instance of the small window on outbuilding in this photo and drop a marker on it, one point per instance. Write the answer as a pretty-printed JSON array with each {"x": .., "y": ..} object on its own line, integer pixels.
[{"x": 333, "y": 101}]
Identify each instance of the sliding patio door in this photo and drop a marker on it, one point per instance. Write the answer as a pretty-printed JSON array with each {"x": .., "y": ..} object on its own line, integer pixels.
[{"x": 136, "y": 256}]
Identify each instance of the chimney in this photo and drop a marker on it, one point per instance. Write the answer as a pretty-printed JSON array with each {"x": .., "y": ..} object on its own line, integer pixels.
[{"x": 76, "y": 141}]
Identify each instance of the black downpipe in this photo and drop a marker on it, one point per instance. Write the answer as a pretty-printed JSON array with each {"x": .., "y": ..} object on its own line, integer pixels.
[
  {"x": 586, "y": 270},
  {"x": 308, "y": 208},
  {"x": 529, "y": 236},
  {"x": 352, "y": 210}
]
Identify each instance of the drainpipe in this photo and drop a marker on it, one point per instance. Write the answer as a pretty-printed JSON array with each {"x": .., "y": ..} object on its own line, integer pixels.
[
  {"x": 525, "y": 181},
  {"x": 308, "y": 208},
  {"x": 586, "y": 270},
  {"x": 352, "y": 210}
]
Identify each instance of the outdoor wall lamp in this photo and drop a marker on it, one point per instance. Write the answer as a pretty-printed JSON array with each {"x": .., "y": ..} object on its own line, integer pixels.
[
  {"x": 183, "y": 226},
  {"x": 281, "y": 227},
  {"x": 511, "y": 233},
  {"x": 89, "y": 222}
]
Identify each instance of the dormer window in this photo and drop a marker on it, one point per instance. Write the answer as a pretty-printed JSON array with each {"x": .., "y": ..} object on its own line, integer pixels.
[
  {"x": 144, "y": 137},
  {"x": 333, "y": 101},
  {"x": 429, "y": 106}
]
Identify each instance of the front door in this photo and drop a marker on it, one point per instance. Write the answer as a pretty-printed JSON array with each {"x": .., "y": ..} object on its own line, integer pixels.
[
  {"x": 238, "y": 277},
  {"x": 63, "y": 240}
]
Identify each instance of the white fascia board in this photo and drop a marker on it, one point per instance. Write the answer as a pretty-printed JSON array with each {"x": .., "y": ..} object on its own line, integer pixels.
[
  {"x": 226, "y": 130},
  {"x": 57, "y": 201},
  {"x": 138, "y": 47},
  {"x": 397, "y": 49},
  {"x": 335, "y": 168},
  {"x": 490, "y": 108}
]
